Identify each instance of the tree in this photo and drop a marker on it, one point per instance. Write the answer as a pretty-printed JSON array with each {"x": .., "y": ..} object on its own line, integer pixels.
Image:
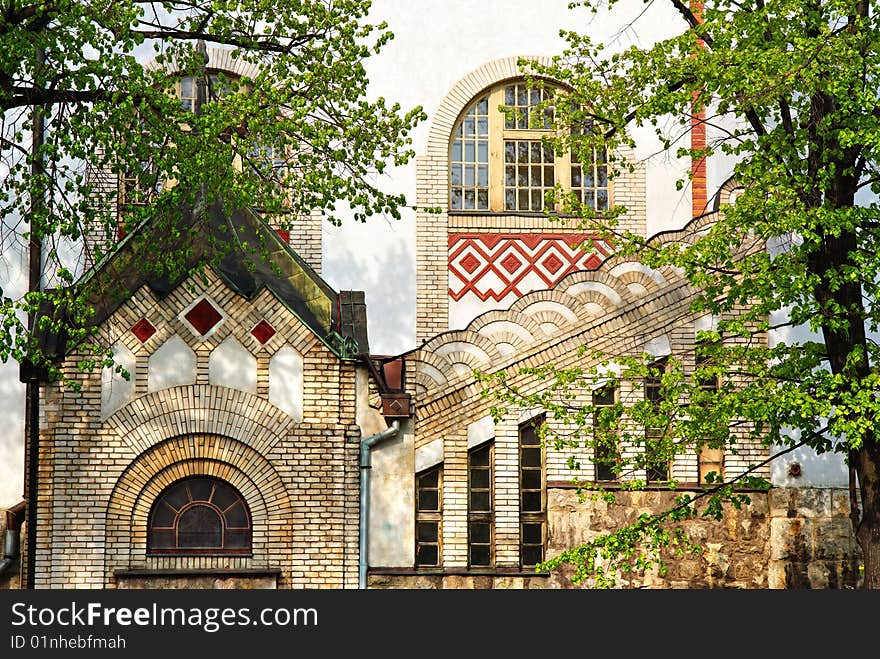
[
  {"x": 295, "y": 135},
  {"x": 790, "y": 88}
]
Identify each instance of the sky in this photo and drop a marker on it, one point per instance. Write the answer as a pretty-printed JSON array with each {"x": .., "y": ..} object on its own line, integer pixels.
[{"x": 437, "y": 43}]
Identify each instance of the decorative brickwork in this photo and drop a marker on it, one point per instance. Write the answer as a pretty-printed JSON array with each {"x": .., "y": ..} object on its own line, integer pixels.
[
  {"x": 439, "y": 288},
  {"x": 102, "y": 474},
  {"x": 493, "y": 266}
]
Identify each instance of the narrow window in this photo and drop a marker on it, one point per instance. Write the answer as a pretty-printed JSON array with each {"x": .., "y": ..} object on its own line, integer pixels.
[
  {"x": 469, "y": 160},
  {"x": 428, "y": 516},
  {"x": 533, "y": 517},
  {"x": 709, "y": 459},
  {"x": 606, "y": 454},
  {"x": 656, "y": 461},
  {"x": 480, "y": 506}
]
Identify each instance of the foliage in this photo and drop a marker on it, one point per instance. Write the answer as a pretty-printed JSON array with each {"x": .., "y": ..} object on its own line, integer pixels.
[
  {"x": 296, "y": 134},
  {"x": 790, "y": 94}
]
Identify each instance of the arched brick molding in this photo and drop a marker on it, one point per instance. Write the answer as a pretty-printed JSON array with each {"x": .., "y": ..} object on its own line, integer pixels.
[
  {"x": 219, "y": 59},
  {"x": 191, "y": 455},
  {"x": 150, "y": 419}
]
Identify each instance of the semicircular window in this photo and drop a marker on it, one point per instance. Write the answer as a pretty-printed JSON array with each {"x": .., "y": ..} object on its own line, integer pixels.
[{"x": 199, "y": 515}]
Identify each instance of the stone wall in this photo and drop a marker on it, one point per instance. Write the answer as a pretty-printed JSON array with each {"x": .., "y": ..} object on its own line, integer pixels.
[{"x": 786, "y": 538}]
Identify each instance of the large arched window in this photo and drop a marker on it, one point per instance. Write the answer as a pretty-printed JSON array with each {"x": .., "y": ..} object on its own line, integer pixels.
[
  {"x": 499, "y": 163},
  {"x": 199, "y": 515}
]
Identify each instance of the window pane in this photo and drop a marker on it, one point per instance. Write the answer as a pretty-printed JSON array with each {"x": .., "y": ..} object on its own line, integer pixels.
[
  {"x": 163, "y": 516},
  {"x": 536, "y": 176},
  {"x": 428, "y": 555},
  {"x": 537, "y": 200},
  {"x": 480, "y": 501},
  {"x": 510, "y": 152},
  {"x": 480, "y": 478},
  {"x": 236, "y": 517},
  {"x": 528, "y": 436},
  {"x": 469, "y": 150},
  {"x": 531, "y": 502},
  {"x": 532, "y": 555},
  {"x": 480, "y": 532},
  {"x": 510, "y": 95},
  {"x": 456, "y": 199},
  {"x": 602, "y": 200},
  {"x": 177, "y": 496},
  {"x": 428, "y": 531},
  {"x": 531, "y": 457},
  {"x": 510, "y": 200},
  {"x": 200, "y": 488},
  {"x": 429, "y": 500},
  {"x": 523, "y": 200},
  {"x": 535, "y": 151},
  {"x": 456, "y": 150},
  {"x": 237, "y": 539},
  {"x": 483, "y": 105},
  {"x": 482, "y": 151},
  {"x": 455, "y": 175},
  {"x": 482, "y": 127},
  {"x": 162, "y": 539},
  {"x": 430, "y": 479},
  {"x": 575, "y": 177},
  {"x": 480, "y": 555},
  {"x": 223, "y": 496},
  {"x": 531, "y": 534},
  {"x": 522, "y": 152},
  {"x": 469, "y": 127},
  {"x": 483, "y": 199},
  {"x": 469, "y": 177},
  {"x": 200, "y": 526},
  {"x": 531, "y": 479},
  {"x": 483, "y": 175},
  {"x": 549, "y": 181},
  {"x": 480, "y": 457},
  {"x": 469, "y": 199}
]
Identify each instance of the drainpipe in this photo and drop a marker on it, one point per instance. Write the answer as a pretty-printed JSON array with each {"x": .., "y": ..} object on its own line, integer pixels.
[
  {"x": 366, "y": 465},
  {"x": 14, "y": 520}
]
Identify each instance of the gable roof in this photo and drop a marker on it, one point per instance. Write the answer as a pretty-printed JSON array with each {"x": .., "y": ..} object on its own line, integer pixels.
[{"x": 242, "y": 249}]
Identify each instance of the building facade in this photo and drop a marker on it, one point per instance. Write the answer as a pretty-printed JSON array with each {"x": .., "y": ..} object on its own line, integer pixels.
[{"x": 258, "y": 444}]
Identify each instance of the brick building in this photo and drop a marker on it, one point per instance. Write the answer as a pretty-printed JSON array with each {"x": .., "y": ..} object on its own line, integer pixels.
[{"x": 258, "y": 444}]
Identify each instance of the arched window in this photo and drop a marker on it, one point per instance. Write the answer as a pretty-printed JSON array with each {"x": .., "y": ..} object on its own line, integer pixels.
[
  {"x": 499, "y": 163},
  {"x": 199, "y": 515}
]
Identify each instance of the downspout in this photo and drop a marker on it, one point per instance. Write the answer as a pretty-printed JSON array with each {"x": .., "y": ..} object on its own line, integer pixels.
[
  {"x": 32, "y": 389},
  {"x": 14, "y": 520},
  {"x": 366, "y": 465}
]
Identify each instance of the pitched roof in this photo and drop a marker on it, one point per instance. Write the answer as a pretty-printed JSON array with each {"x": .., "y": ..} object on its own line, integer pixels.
[{"x": 239, "y": 246}]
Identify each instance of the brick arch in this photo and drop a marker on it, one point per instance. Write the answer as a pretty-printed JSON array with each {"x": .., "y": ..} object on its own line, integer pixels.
[
  {"x": 464, "y": 92},
  {"x": 222, "y": 457},
  {"x": 219, "y": 59},
  {"x": 159, "y": 415}
]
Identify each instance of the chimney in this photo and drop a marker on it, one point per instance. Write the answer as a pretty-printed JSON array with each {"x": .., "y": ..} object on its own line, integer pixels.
[{"x": 699, "y": 197}]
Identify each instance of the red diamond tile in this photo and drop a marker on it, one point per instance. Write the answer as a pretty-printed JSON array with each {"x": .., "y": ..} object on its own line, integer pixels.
[
  {"x": 552, "y": 263},
  {"x": 285, "y": 235},
  {"x": 470, "y": 263},
  {"x": 143, "y": 330},
  {"x": 263, "y": 331},
  {"x": 203, "y": 317},
  {"x": 511, "y": 263}
]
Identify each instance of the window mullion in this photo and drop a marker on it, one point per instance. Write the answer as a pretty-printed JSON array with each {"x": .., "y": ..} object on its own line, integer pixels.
[{"x": 496, "y": 151}]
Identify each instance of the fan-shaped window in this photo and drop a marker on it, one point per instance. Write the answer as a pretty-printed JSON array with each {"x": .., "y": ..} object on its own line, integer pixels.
[
  {"x": 499, "y": 162},
  {"x": 200, "y": 515}
]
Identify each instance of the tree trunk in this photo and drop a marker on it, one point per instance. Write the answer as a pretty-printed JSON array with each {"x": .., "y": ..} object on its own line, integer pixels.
[{"x": 868, "y": 529}]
